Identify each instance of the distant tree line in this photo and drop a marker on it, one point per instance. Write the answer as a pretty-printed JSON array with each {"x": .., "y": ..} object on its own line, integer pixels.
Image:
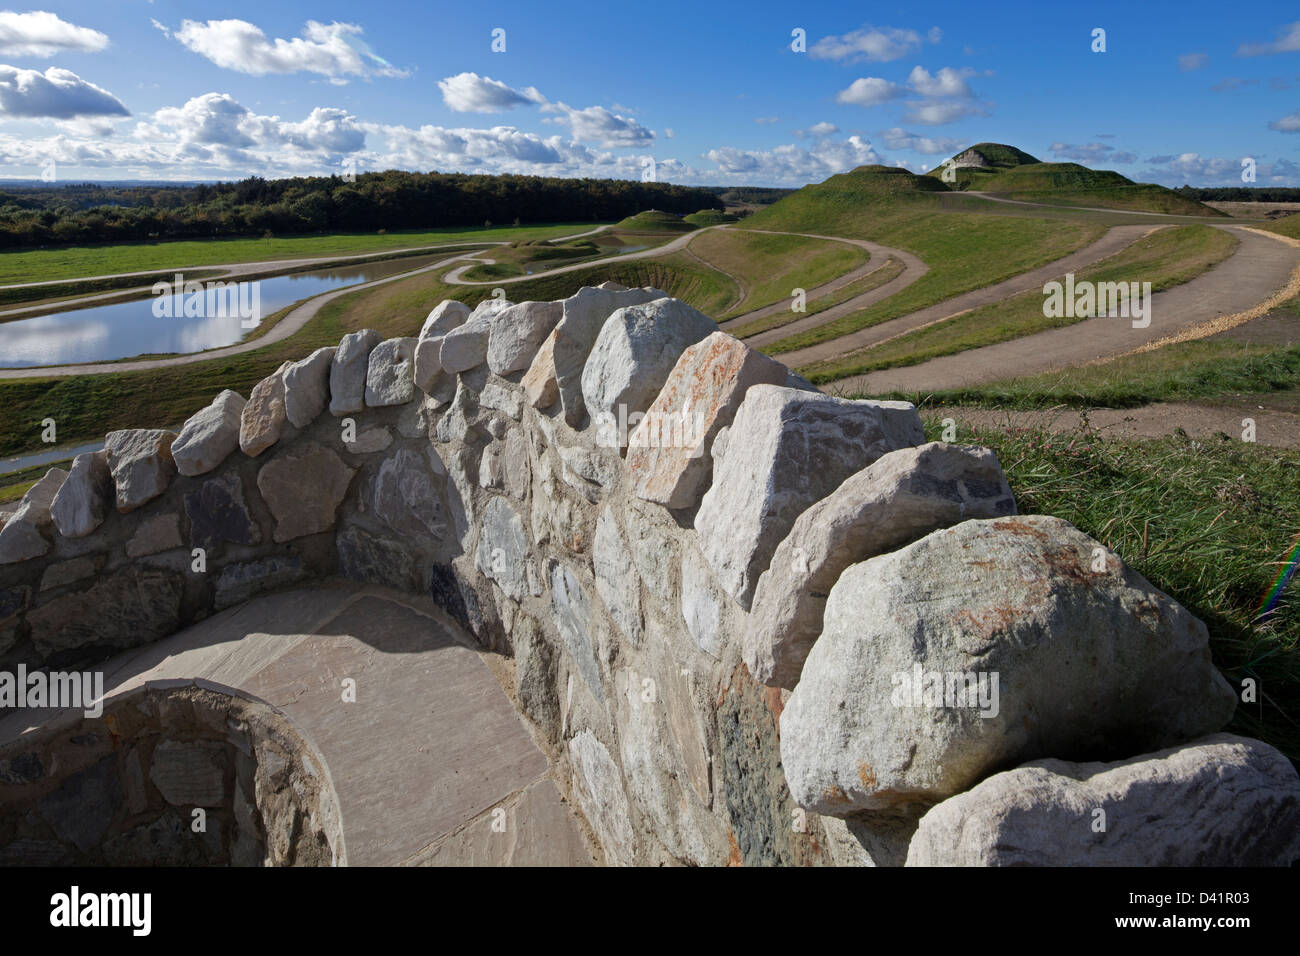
[
  {"x": 390, "y": 200},
  {"x": 1240, "y": 193}
]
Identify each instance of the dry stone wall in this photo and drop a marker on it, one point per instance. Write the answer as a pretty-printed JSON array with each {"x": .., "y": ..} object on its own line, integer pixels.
[
  {"x": 173, "y": 773},
  {"x": 762, "y": 625}
]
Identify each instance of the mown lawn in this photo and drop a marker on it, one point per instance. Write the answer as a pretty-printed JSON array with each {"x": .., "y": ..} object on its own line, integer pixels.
[{"x": 72, "y": 262}]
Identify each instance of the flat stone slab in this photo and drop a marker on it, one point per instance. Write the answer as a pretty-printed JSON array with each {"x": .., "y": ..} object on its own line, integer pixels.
[{"x": 429, "y": 751}]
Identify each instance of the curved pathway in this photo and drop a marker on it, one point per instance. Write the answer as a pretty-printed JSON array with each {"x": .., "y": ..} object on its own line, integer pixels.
[
  {"x": 1262, "y": 264},
  {"x": 913, "y": 269},
  {"x": 454, "y": 277},
  {"x": 418, "y": 677},
  {"x": 1115, "y": 239}
]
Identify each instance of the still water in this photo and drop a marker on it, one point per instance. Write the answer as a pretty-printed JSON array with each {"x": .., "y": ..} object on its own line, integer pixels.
[{"x": 106, "y": 332}]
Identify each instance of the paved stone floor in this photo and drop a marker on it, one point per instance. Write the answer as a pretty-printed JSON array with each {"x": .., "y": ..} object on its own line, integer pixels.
[{"x": 427, "y": 755}]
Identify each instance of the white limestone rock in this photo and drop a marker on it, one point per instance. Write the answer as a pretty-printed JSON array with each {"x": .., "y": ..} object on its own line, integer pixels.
[
  {"x": 635, "y": 351},
  {"x": 518, "y": 333},
  {"x": 307, "y": 387},
  {"x": 982, "y": 646},
  {"x": 210, "y": 436},
  {"x": 798, "y": 447},
  {"x": 903, "y": 496},
  {"x": 349, "y": 371},
  {"x": 390, "y": 376},
  {"x": 83, "y": 500},
  {"x": 1222, "y": 800}
]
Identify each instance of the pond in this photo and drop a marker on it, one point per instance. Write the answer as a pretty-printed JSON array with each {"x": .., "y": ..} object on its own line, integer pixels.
[{"x": 142, "y": 327}]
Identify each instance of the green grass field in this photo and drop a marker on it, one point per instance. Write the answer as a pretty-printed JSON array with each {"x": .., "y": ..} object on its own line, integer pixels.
[
  {"x": 74, "y": 262},
  {"x": 770, "y": 266},
  {"x": 1205, "y": 370},
  {"x": 1208, "y": 522},
  {"x": 86, "y": 407},
  {"x": 1166, "y": 258},
  {"x": 887, "y": 272}
]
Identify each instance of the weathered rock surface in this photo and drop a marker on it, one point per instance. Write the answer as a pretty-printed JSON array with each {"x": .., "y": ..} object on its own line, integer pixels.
[
  {"x": 370, "y": 440},
  {"x": 668, "y": 453},
  {"x": 141, "y": 463},
  {"x": 218, "y": 513},
  {"x": 307, "y": 387},
  {"x": 466, "y": 347},
  {"x": 535, "y": 676},
  {"x": 1218, "y": 801},
  {"x": 585, "y": 313},
  {"x": 349, "y": 370},
  {"x": 189, "y": 774},
  {"x": 390, "y": 378},
  {"x": 982, "y": 646},
  {"x": 160, "y": 532},
  {"x": 503, "y": 552},
  {"x": 572, "y": 612},
  {"x": 406, "y": 494},
  {"x": 798, "y": 446},
  {"x": 635, "y": 351},
  {"x": 702, "y": 604},
  {"x": 517, "y": 334},
  {"x": 24, "y": 535},
  {"x": 598, "y": 785},
  {"x": 538, "y": 382},
  {"x": 445, "y": 316},
  {"x": 901, "y": 497},
  {"x": 304, "y": 489},
  {"x": 82, "y": 501},
  {"x": 126, "y": 608},
  {"x": 617, "y": 581},
  {"x": 210, "y": 435},
  {"x": 263, "y": 417}
]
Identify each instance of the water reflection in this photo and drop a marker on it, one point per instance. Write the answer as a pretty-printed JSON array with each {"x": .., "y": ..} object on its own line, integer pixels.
[{"x": 126, "y": 329}]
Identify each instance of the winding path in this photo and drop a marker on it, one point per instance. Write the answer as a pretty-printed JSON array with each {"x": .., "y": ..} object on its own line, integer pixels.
[
  {"x": 913, "y": 269},
  {"x": 1115, "y": 239},
  {"x": 1263, "y": 264}
]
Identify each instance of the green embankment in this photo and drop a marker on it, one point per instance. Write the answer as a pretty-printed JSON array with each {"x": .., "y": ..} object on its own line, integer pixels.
[
  {"x": 964, "y": 251},
  {"x": 1166, "y": 258}
]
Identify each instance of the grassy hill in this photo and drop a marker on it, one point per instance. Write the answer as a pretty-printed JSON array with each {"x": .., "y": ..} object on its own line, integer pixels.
[
  {"x": 652, "y": 220},
  {"x": 1014, "y": 174},
  {"x": 963, "y": 250}
]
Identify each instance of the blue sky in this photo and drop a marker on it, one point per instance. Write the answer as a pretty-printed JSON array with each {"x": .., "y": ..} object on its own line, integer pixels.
[{"x": 713, "y": 93}]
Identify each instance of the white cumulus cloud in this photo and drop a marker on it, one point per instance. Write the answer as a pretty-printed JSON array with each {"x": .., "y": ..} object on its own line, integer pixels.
[
  {"x": 869, "y": 91},
  {"x": 872, "y": 44},
  {"x": 41, "y": 33},
  {"x": 471, "y": 93},
  {"x": 334, "y": 49},
  {"x": 54, "y": 94},
  {"x": 595, "y": 124}
]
